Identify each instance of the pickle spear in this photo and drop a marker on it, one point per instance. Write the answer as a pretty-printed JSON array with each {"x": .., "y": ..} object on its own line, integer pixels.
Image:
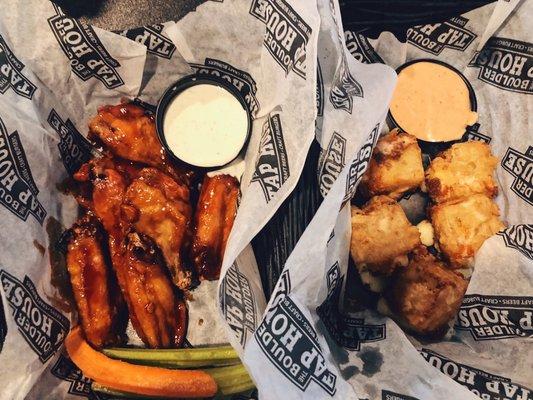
[{"x": 177, "y": 358}]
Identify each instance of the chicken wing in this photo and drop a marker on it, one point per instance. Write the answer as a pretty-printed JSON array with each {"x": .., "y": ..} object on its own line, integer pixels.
[
  {"x": 129, "y": 132},
  {"x": 382, "y": 235},
  {"x": 463, "y": 170},
  {"x": 215, "y": 213},
  {"x": 158, "y": 316},
  {"x": 462, "y": 226},
  {"x": 159, "y": 208},
  {"x": 426, "y": 295},
  {"x": 395, "y": 167},
  {"x": 100, "y": 306}
]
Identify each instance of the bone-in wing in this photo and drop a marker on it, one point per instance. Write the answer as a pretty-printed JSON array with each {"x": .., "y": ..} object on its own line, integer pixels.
[
  {"x": 129, "y": 132},
  {"x": 157, "y": 314},
  {"x": 217, "y": 207},
  {"x": 100, "y": 306},
  {"x": 159, "y": 208}
]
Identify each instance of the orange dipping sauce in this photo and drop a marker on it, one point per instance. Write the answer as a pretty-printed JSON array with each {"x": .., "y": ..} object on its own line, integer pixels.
[{"x": 432, "y": 102}]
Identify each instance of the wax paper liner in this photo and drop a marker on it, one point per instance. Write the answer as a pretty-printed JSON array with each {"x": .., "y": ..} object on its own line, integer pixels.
[
  {"x": 325, "y": 350},
  {"x": 55, "y": 73}
]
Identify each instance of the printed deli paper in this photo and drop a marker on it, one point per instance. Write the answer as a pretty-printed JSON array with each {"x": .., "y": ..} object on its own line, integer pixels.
[
  {"x": 320, "y": 350},
  {"x": 55, "y": 72},
  {"x": 289, "y": 60}
]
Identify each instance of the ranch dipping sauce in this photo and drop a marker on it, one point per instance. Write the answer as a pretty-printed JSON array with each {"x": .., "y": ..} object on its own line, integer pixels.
[
  {"x": 205, "y": 125},
  {"x": 432, "y": 102}
]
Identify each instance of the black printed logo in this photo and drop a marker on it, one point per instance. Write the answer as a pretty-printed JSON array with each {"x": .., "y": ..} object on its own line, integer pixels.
[
  {"x": 11, "y": 73},
  {"x": 344, "y": 88},
  {"x": 521, "y": 167},
  {"x": 360, "y": 163},
  {"x": 433, "y": 38},
  {"x": 331, "y": 235},
  {"x": 473, "y": 134},
  {"x": 150, "y": 108},
  {"x": 80, "y": 385},
  {"x": 346, "y": 331},
  {"x": 238, "y": 304},
  {"x": 88, "y": 57},
  {"x": 3, "y": 325},
  {"x": 506, "y": 64},
  {"x": 75, "y": 150},
  {"x": 359, "y": 47},
  {"x": 242, "y": 81},
  {"x": 483, "y": 384},
  {"x": 388, "y": 395},
  {"x": 153, "y": 38},
  {"x": 283, "y": 287},
  {"x": 18, "y": 192},
  {"x": 41, "y": 325},
  {"x": 289, "y": 340},
  {"x": 332, "y": 162},
  {"x": 272, "y": 166},
  {"x": 519, "y": 237},
  {"x": 286, "y": 34},
  {"x": 319, "y": 91},
  {"x": 496, "y": 317}
]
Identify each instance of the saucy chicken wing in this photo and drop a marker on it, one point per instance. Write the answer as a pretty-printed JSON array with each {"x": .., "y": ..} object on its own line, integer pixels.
[
  {"x": 129, "y": 132},
  {"x": 159, "y": 208},
  {"x": 100, "y": 306},
  {"x": 217, "y": 207},
  {"x": 158, "y": 316}
]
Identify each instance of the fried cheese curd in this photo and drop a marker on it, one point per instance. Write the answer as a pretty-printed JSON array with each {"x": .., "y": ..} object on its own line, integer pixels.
[
  {"x": 461, "y": 227},
  {"x": 382, "y": 236},
  {"x": 395, "y": 167},
  {"x": 426, "y": 294},
  {"x": 463, "y": 170}
]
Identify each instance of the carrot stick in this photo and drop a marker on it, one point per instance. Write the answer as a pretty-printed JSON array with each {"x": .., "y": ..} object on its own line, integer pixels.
[{"x": 139, "y": 379}]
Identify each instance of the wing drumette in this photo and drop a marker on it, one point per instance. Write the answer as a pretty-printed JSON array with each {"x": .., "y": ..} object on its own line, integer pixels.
[
  {"x": 100, "y": 306},
  {"x": 217, "y": 207}
]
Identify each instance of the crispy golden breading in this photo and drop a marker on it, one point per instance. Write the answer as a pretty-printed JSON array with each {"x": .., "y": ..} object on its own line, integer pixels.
[
  {"x": 426, "y": 295},
  {"x": 462, "y": 226},
  {"x": 395, "y": 166},
  {"x": 381, "y": 235},
  {"x": 461, "y": 171}
]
